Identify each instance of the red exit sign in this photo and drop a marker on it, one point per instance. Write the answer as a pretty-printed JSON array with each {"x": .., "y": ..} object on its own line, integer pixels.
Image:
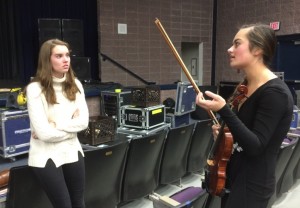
[{"x": 275, "y": 25}]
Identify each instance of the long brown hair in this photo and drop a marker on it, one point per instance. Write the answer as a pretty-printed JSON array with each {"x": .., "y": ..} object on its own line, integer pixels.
[
  {"x": 44, "y": 73},
  {"x": 260, "y": 36}
]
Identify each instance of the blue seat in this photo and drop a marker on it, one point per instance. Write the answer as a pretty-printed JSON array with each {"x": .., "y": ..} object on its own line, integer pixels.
[
  {"x": 190, "y": 197},
  {"x": 195, "y": 197}
]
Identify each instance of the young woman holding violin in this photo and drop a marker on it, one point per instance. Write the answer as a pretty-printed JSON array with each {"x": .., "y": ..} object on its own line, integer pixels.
[{"x": 258, "y": 122}]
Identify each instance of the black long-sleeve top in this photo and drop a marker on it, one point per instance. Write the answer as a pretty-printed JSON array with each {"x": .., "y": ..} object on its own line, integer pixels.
[{"x": 258, "y": 128}]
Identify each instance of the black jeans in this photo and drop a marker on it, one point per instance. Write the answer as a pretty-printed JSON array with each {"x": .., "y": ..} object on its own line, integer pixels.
[{"x": 64, "y": 185}]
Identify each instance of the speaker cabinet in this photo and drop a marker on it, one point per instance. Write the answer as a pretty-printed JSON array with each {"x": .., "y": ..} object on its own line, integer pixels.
[
  {"x": 81, "y": 67},
  {"x": 72, "y": 33},
  {"x": 49, "y": 29}
]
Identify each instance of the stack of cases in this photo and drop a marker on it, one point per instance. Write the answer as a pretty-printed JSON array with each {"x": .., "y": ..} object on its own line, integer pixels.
[
  {"x": 112, "y": 102},
  {"x": 185, "y": 104},
  {"x": 15, "y": 133},
  {"x": 145, "y": 111}
]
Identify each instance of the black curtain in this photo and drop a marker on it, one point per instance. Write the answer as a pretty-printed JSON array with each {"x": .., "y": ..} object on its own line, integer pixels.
[
  {"x": 19, "y": 34},
  {"x": 10, "y": 50}
]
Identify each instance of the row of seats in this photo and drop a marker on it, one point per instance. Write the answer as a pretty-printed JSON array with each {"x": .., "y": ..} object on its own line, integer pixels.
[
  {"x": 126, "y": 169},
  {"x": 287, "y": 165}
]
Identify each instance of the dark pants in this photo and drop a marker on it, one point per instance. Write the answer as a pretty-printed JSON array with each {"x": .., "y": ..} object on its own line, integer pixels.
[{"x": 64, "y": 185}]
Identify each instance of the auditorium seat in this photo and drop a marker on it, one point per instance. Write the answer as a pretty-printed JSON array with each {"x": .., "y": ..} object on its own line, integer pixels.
[
  {"x": 297, "y": 172},
  {"x": 287, "y": 179},
  {"x": 213, "y": 202},
  {"x": 174, "y": 159},
  {"x": 199, "y": 146},
  {"x": 24, "y": 190},
  {"x": 189, "y": 197},
  {"x": 195, "y": 197},
  {"x": 142, "y": 166},
  {"x": 104, "y": 173},
  {"x": 285, "y": 152}
]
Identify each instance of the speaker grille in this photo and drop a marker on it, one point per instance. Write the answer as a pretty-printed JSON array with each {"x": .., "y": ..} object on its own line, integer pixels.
[
  {"x": 49, "y": 29},
  {"x": 72, "y": 33}
]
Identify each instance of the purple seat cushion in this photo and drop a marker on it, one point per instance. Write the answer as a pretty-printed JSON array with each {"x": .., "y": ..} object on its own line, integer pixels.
[{"x": 187, "y": 194}]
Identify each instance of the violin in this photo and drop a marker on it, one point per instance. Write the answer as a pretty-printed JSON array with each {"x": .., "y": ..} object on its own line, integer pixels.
[
  {"x": 219, "y": 155},
  {"x": 239, "y": 95}
]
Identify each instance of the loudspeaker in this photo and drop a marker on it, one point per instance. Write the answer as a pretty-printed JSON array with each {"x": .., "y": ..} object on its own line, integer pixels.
[
  {"x": 81, "y": 67},
  {"x": 72, "y": 33},
  {"x": 49, "y": 29}
]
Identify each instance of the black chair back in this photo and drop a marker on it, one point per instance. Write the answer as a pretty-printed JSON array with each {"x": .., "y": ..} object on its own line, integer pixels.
[
  {"x": 142, "y": 166},
  {"x": 297, "y": 172},
  {"x": 104, "y": 173},
  {"x": 287, "y": 179},
  {"x": 24, "y": 190},
  {"x": 284, "y": 156},
  {"x": 200, "y": 146},
  {"x": 174, "y": 160}
]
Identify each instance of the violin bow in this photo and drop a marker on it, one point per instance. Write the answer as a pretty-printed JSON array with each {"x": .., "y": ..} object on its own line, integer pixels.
[{"x": 181, "y": 63}]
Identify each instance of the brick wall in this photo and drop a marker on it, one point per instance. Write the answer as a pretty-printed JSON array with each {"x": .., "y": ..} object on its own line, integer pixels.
[
  {"x": 142, "y": 49},
  {"x": 234, "y": 13}
]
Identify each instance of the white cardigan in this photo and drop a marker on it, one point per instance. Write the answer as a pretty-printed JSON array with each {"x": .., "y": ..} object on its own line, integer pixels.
[{"x": 60, "y": 143}]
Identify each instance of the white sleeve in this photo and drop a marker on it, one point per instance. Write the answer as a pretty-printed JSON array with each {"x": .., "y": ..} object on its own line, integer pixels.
[
  {"x": 81, "y": 122},
  {"x": 37, "y": 110}
]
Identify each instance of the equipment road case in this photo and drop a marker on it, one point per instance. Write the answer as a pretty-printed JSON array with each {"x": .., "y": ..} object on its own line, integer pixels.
[
  {"x": 143, "y": 118},
  {"x": 177, "y": 121},
  {"x": 112, "y": 101},
  {"x": 185, "y": 98},
  {"x": 133, "y": 133},
  {"x": 15, "y": 133}
]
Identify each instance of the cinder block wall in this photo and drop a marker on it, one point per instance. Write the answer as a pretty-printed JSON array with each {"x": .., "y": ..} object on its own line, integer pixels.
[
  {"x": 143, "y": 49},
  {"x": 232, "y": 14}
]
